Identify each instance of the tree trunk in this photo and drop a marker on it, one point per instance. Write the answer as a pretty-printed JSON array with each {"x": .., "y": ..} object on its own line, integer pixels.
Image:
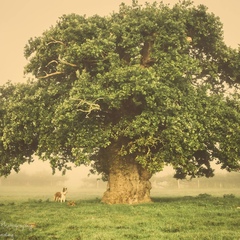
[{"x": 128, "y": 181}]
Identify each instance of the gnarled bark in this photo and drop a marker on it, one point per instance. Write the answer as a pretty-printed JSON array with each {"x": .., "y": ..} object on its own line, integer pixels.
[{"x": 128, "y": 181}]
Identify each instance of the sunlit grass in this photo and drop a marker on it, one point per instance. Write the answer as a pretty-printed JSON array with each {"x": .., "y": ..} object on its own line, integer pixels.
[{"x": 185, "y": 217}]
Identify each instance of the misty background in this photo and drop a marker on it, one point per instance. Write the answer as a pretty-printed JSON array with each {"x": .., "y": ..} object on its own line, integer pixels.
[{"x": 39, "y": 175}]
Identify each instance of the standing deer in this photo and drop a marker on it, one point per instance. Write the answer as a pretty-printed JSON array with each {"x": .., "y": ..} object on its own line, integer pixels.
[{"x": 60, "y": 196}]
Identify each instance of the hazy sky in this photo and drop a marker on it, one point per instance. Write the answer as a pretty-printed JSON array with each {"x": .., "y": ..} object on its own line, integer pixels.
[{"x": 23, "y": 19}]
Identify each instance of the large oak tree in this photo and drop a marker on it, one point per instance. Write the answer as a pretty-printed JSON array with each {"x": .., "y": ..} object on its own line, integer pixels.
[{"x": 127, "y": 94}]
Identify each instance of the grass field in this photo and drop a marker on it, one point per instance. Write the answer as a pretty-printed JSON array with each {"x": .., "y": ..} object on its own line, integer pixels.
[{"x": 34, "y": 215}]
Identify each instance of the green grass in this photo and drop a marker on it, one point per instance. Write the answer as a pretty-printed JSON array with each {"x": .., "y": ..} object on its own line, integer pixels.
[{"x": 186, "y": 217}]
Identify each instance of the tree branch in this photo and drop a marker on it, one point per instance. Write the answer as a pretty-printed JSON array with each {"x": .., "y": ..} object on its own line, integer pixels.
[
  {"x": 91, "y": 105},
  {"x": 56, "y": 41},
  {"x": 51, "y": 74},
  {"x": 146, "y": 60},
  {"x": 67, "y": 63},
  {"x": 53, "y": 61}
]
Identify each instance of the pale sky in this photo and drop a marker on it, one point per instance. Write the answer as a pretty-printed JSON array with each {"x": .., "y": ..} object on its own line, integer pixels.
[{"x": 23, "y": 19}]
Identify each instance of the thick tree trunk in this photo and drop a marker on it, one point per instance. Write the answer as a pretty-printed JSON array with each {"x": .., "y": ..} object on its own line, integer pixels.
[{"x": 128, "y": 182}]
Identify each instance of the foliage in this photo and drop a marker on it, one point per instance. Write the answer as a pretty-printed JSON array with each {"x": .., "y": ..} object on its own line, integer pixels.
[
  {"x": 150, "y": 78},
  {"x": 167, "y": 218}
]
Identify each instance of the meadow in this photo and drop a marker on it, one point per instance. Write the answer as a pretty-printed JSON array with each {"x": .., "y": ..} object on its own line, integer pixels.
[{"x": 34, "y": 215}]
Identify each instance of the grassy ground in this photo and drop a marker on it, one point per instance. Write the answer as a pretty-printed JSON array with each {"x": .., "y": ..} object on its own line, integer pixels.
[{"x": 201, "y": 216}]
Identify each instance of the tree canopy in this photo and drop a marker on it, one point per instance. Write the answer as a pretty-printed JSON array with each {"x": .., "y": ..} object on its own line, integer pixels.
[{"x": 155, "y": 82}]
